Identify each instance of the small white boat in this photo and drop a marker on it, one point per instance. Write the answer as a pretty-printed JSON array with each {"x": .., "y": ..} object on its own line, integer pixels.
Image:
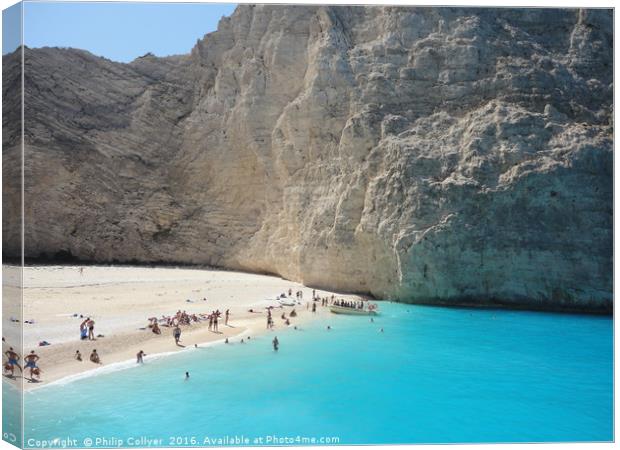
[
  {"x": 353, "y": 311},
  {"x": 287, "y": 302}
]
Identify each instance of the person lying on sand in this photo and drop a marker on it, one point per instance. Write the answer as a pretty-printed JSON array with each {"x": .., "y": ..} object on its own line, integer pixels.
[{"x": 94, "y": 357}]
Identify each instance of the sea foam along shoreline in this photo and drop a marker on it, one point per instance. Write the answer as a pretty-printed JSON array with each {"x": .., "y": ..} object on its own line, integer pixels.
[
  {"x": 128, "y": 364},
  {"x": 121, "y": 299}
]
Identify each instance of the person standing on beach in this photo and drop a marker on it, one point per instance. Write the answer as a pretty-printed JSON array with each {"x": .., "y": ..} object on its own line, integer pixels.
[
  {"x": 226, "y": 317},
  {"x": 276, "y": 344},
  {"x": 13, "y": 360},
  {"x": 84, "y": 330},
  {"x": 177, "y": 334},
  {"x": 31, "y": 362},
  {"x": 210, "y": 321},
  {"x": 140, "y": 356},
  {"x": 91, "y": 329}
]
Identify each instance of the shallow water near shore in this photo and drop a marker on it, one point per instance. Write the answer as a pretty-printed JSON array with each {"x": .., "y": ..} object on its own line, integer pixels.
[{"x": 435, "y": 375}]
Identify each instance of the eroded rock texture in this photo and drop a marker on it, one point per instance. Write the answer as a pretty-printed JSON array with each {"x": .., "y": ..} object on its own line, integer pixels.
[{"x": 433, "y": 155}]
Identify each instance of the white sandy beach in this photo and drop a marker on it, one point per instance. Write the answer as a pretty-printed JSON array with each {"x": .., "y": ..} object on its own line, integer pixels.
[{"x": 120, "y": 300}]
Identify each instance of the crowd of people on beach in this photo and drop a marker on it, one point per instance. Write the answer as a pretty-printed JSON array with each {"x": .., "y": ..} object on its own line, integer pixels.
[
  {"x": 175, "y": 322},
  {"x": 183, "y": 318}
]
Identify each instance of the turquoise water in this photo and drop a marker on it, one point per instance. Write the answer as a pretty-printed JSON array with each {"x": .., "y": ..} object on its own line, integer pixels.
[
  {"x": 11, "y": 413},
  {"x": 435, "y": 375}
]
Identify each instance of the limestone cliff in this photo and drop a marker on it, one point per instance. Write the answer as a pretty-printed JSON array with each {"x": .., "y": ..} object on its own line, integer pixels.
[{"x": 437, "y": 155}]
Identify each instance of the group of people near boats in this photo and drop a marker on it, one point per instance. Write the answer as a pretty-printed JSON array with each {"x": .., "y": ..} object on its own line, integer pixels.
[
  {"x": 349, "y": 304},
  {"x": 175, "y": 322}
]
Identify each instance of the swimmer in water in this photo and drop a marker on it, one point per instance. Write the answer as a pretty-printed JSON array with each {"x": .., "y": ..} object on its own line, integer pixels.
[
  {"x": 276, "y": 344},
  {"x": 187, "y": 375}
]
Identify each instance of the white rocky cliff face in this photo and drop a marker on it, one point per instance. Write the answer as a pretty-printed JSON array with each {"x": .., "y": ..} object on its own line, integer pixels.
[{"x": 432, "y": 155}]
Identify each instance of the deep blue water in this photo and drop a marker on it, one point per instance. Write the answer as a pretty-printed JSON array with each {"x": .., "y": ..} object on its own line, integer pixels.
[{"x": 434, "y": 375}]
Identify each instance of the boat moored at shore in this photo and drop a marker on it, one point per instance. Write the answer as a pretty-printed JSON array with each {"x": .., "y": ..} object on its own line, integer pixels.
[{"x": 371, "y": 310}]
